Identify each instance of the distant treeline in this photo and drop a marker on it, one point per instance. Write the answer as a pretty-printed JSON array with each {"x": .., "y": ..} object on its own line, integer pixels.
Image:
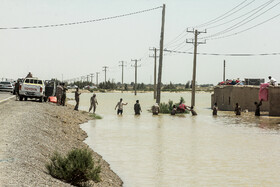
[{"x": 110, "y": 85}]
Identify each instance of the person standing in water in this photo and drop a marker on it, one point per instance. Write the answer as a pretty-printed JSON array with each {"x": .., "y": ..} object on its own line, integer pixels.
[
  {"x": 93, "y": 103},
  {"x": 77, "y": 98},
  {"x": 137, "y": 108},
  {"x": 174, "y": 110},
  {"x": 215, "y": 109},
  {"x": 155, "y": 109},
  {"x": 120, "y": 107},
  {"x": 192, "y": 111},
  {"x": 237, "y": 110},
  {"x": 258, "y": 110}
]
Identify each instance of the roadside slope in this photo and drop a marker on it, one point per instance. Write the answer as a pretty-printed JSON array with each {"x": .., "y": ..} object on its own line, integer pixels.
[{"x": 30, "y": 132}]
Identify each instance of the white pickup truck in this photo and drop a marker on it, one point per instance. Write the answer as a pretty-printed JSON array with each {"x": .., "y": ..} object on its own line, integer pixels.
[{"x": 32, "y": 88}]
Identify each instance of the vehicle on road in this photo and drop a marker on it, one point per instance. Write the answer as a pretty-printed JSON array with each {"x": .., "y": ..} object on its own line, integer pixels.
[
  {"x": 6, "y": 86},
  {"x": 32, "y": 88}
]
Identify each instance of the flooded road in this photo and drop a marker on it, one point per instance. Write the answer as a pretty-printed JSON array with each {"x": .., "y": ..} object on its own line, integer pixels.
[{"x": 166, "y": 150}]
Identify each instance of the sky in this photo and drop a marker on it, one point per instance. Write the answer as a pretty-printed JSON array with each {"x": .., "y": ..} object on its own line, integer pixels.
[{"x": 73, "y": 51}]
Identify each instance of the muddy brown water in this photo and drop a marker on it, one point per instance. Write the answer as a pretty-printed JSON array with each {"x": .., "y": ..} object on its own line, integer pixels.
[{"x": 183, "y": 150}]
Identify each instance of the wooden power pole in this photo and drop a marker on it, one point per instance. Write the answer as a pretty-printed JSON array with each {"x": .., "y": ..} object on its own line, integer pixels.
[
  {"x": 122, "y": 65},
  {"x": 155, "y": 70},
  {"x": 195, "y": 42},
  {"x": 160, "y": 54},
  {"x": 135, "y": 83}
]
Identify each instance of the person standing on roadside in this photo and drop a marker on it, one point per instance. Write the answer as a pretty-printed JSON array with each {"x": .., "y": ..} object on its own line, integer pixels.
[
  {"x": 63, "y": 97},
  {"x": 17, "y": 89},
  {"x": 77, "y": 98},
  {"x": 137, "y": 108},
  {"x": 120, "y": 107},
  {"x": 93, "y": 103},
  {"x": 59, "y": 94}
]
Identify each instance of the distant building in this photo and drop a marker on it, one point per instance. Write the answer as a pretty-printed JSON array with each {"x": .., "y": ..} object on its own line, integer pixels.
[{"x": 226, "y": 96}]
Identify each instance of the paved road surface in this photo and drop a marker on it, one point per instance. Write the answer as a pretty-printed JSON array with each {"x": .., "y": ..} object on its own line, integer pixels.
[{"x": 5, "y": 95}]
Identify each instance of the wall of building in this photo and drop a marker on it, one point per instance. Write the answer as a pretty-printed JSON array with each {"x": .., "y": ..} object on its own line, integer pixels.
[
  {"x": 274, "y": 101},
  {"x": 227, "y": 96}
]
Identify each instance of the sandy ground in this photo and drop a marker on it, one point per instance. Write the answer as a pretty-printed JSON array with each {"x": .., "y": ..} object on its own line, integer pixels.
[{"x": 30, "y": 132}]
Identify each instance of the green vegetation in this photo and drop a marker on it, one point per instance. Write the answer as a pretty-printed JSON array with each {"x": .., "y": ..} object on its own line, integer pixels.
[
  {"x": 95, "y": 116},
  {"x": 166, "y": 108},
  {"x": 76, "y": 168}
]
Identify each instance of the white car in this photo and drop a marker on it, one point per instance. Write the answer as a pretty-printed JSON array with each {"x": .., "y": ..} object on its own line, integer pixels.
[
  {"x": 6, "y": 86},
  {"x": 32, "y": 88}
]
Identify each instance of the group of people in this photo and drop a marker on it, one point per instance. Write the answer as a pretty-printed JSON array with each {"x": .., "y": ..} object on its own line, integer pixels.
[{"x": 237, "y": 109}]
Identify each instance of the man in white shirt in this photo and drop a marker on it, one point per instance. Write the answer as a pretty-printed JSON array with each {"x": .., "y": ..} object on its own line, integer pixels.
[
  {"x": 272, "y": 81},
  {"x": 120, "y": 107}
]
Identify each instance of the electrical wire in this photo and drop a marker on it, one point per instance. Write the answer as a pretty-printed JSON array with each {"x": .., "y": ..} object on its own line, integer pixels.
[
  {"x": 231, "y": 13},
  {"x": 229, "y": 54},
  {"x": 261, "y": 6},
  {"x": 80, "y": 22},
  {"x": 246, "y": 29},
  {"x": 219, "y": 17},
  {"x": 237, "y": 25}
]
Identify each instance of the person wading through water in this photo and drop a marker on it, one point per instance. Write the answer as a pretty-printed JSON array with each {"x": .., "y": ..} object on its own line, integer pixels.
[
  {"x": 120, "y": 107},
  {"x": 77, "y": 98},
  {"x": 93, "y": 103},
  {"x": 258, "y": 110},
  {"x": 137, "y": 108},
  {"x": 237, "y": 110},
  {"x": 215, "y": 109}
]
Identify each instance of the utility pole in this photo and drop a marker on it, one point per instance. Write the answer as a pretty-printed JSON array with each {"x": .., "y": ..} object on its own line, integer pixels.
[
  {"x": 224, "y": 77},
  {"x": 97, "y": 73},
  {"x": 105, "y": 70},
  {"x": 195, "y": 42},
  {"x": 87, "y": 77},
  {"x": 135, "y": 83},
  {"x": 91, "y": 77},
  {"x": 160, "y": 54},
  {"x": 155, "y": 70},
  {"x": 122, "y": 65}
]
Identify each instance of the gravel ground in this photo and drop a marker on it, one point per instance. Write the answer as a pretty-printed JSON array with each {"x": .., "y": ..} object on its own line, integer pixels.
[{"x": 30, "y": 132}]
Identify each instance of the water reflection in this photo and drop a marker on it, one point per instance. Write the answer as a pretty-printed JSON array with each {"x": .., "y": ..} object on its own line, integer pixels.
[{"x": 185, "y": 150}]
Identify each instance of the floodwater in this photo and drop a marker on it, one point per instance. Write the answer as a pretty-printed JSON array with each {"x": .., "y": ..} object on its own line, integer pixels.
[{"x": 184, "y": 150}]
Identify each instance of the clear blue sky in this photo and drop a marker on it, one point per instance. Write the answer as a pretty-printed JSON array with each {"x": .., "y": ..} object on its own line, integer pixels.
[{"x": 82, "y": 49}]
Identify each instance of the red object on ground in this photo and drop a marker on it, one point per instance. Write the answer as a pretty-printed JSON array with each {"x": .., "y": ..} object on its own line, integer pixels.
[
  {"x": 52, "y": 99},
  {"x": 263, "y": 93}
]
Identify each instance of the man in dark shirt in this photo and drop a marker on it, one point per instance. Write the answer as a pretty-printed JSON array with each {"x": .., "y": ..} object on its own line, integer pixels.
[
  {"x": 237, "y": 110},
  {"x": 258, "y": 110},
  {"x": 137, "y": 108},
  {"x": 77, "y": 98}
]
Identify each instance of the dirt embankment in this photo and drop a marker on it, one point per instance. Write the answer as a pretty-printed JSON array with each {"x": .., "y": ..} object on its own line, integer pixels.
[{"x": 29, "y": 134}]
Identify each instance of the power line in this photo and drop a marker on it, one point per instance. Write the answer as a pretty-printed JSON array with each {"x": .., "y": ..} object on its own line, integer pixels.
[
  {"x": 79, "y": 22},
  {"x": 211, "y": 21},
  {"x": 246, "y": 29},
  {"x": 229, "y": 29},
  {"x": 228, "y": 54},
  {"x": 232, "y": 13},
  {"x": 261, "y": 6}
]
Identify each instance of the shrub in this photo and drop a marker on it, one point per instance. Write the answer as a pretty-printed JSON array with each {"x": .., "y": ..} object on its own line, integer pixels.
[
  {"x": 95, "y": 116},
  {"x": 76, "y": 168},
  {"x": 166, "y": 108}
]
